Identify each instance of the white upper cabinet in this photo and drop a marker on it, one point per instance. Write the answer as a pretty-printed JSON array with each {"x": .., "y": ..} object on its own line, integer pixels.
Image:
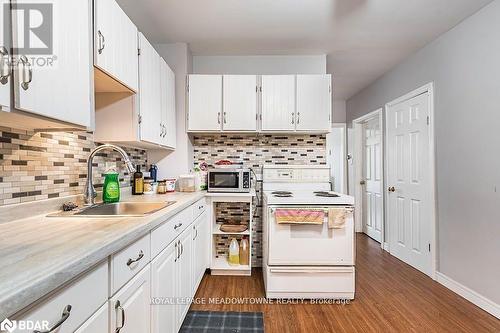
[
  {"x": 150, "y": 109},
  {"x": 205, "y": 102},
  {"x": 56, "y": 84},
  {"x": 239, "y": 103},
  {"x": 278, "y": 103},
  {"x": 168, "y": 117},
  {"x": 5, "y": 70},
  {"x": 314, "y": 102},
  {"x": 115, "y": 43}
]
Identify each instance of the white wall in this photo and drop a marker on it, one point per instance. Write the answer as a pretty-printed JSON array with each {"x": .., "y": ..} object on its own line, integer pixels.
[
  {"x": 339, "y": 111},
  {"x": 180, "y": 161},
  {"x": 464, "y": 64},
  {"x": 301, "y": 64}
]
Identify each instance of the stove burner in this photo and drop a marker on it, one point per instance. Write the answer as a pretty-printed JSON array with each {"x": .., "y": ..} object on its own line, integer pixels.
[
  {"x": 282, "y": 193},
  {"x": 326, "y": 194}
]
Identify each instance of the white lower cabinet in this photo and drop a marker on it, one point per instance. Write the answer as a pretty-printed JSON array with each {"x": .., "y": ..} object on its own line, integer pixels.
[
  {"x": 164, "y": 290},
  {"x": 130, "y": 307},
  {"x": 184, "y": 273},
  {"x": 201, "y": 246},
  {"x": 99, "y": 322}
]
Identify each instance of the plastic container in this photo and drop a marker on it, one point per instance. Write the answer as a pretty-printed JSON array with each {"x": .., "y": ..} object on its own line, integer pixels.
[
  {"x": 244, "y": 251},
  {"x": 111, "y": 188},
  {"x": 187, "y": 183},
  {"x": 234, "y": 253}
]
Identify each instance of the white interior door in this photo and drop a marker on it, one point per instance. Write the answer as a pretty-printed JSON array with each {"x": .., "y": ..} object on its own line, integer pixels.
[
  {"x": 373, "y": 202},
  {"x": 5, "y": 72},
  {"x": 205, "y": 103},
  {"x": 409, "y": 182},
  {"x": 278, "y": 103},
  {"x": 240, "y": 103},
  {"x": 314, "y": 102}
]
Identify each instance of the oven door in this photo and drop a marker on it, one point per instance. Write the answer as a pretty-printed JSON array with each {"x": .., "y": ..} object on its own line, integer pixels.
[
  {"x": 310, "y": 245},
  {"x": 224, "y": 181}
]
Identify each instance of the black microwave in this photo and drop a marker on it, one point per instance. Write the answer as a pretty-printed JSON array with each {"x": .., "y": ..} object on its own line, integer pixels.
[{"x": 229, "y": 180}]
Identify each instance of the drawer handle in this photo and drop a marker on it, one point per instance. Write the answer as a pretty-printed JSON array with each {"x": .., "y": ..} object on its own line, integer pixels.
[
  {"x": 201, "y": 207},
  {"x": 177, "y": 226},
  {"x": 64, "y": 317},
  {"x": 131, "y": 261},
  {"x": 118, "y": 306}
]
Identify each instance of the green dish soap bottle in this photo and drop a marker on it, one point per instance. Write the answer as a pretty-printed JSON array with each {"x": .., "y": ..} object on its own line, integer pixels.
[{"x": 111, "y": 189}]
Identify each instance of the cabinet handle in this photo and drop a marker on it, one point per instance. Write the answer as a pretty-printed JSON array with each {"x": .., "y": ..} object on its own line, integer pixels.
[
  {"x": 102, "y": 42},
  {"x": 182, "y": 248},
  {"x": 176, "y": 251},
  {"x": 224, "y": 117},
  {"x": 177, "y": 226},
  {"x": 218, "y": 117},
  {"x": 26, "y": 78},
  {"x": 65, "y": 315},
  {"x": 118, "y": 306},
  {"x": 293, "y": 118},
  {"x": 131, "y": 261},
  {"x": 298, "y": 117},
  {"x": 196, "y": 234},
  {"x": 4, "y": 65}
]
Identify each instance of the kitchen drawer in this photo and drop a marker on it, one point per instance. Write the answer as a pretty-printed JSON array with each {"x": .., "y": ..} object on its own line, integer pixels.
[
  {"x": 168, "y": 231},
  {"x": 198, "y": 208},
  {"x": 311, "y": 280},
  {"x": 85, "y": 295},
  {"x": 128, "y": 262}
]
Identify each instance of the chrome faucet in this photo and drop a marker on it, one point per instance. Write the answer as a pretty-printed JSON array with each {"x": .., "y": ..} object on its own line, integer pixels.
[{"x": 90, "y": 192}]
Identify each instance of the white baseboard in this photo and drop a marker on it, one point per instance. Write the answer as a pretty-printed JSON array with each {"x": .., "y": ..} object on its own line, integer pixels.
[
  {"x": 469, "y": 294},
  {"x": 386, "y": 246}
]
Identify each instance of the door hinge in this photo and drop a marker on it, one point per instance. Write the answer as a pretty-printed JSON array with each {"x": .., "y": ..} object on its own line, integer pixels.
[
  {"x": 330, "y": 89},
  {"x": 429, "y": 247},
  {"x": 139, "y": 119},
  {"x": 138, "y": 52},
  {"x": 428, "y": 120},
  {"x": 256, "y": 88}
]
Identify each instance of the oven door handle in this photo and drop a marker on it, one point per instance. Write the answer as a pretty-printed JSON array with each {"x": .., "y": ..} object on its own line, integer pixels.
[{"x": 311, "y": 271}]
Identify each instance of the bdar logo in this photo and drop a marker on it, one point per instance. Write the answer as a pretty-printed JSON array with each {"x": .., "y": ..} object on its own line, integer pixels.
[{"x": 7, "y": 325}]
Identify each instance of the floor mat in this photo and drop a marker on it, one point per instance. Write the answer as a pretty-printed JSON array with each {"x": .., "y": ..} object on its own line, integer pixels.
[{"x": 217, "y": 322}]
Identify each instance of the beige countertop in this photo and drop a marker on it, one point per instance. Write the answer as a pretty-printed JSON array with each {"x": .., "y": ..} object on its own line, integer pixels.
[{"x": 39, "y": 254}]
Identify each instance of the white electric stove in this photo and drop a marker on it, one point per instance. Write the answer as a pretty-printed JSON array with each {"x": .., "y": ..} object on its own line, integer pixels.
[{"x": 306, "y": 261}]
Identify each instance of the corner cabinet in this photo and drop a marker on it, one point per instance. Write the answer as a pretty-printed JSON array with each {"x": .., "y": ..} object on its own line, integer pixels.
[
  {"x": 54, "y": 87},
  {"x": 269, "y": 103},
  {"x": 115, "y": 43}
]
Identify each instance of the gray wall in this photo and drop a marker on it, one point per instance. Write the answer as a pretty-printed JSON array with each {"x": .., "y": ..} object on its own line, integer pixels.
[{"x": 464, "y": 64}]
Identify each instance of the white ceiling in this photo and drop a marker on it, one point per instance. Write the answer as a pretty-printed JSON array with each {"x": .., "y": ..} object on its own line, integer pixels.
[{"x": 363, "y": 38}]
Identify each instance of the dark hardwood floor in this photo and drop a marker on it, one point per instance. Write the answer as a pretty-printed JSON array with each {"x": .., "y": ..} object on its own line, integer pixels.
[{"x": 390, "y": 297}]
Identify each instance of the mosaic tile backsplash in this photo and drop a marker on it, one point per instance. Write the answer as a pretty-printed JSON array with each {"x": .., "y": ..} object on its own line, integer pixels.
[
  {"x": 38, "y": 165},
  {"x": 254, "y": 151}
]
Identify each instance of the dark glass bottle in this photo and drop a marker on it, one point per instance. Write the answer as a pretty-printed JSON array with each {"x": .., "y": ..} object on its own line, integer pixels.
[{"x": 138, "y": 182}]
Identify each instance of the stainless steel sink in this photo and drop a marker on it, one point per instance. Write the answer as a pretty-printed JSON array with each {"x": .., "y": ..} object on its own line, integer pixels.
[{"x": 123, "y": 209}]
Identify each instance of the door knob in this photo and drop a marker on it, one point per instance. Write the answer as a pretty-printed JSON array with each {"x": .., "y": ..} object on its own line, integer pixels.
[
  {"x": 362, "y": 182},
  {"x": 391, "y": 189}
]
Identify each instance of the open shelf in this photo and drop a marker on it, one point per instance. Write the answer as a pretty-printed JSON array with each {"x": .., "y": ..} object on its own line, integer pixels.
[
  {"x": 216, "y": 231},
  {"x": 222, "y": 264}
]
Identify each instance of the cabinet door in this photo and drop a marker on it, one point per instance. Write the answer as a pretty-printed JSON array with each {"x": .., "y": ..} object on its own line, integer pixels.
[
  {"x": 99, "y": 322},
  {"x": 314, "y": 102},
  {"x": 239, "y": 103},
  {"x": 200, "y": 249},
  {"x": 185, "y": 272},
  {"x": 168, "y": 118},
  {"x": 278, "y": 102},
  {"x": 150, "y": 92},
  {"x": 115, "y": 43},
  {"x": 171, "y": 120},
  {"x": 205, "y": 103},
  {"x": 163, "y": 290},
  {"x": 57, "y": 84},
  {"x": 130, "y": 307},
  {"x": 5, "y": 71}
]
